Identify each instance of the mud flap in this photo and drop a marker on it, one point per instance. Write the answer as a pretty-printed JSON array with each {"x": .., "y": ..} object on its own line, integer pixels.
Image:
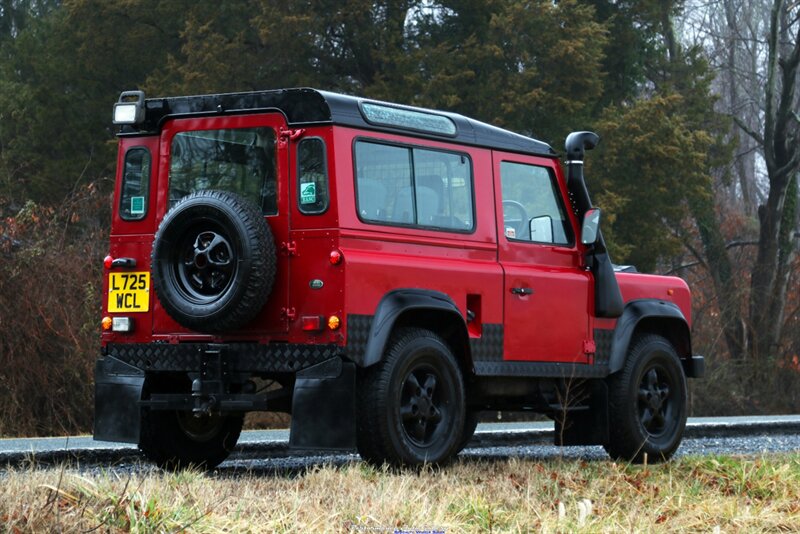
[
  {"x": 324, "y": 406},
  {"x": 589, "y": 426},
  {"x": 117, "y": 392}
]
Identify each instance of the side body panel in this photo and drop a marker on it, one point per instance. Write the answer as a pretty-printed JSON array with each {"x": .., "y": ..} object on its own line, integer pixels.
[{"x": 380, "y": 258}]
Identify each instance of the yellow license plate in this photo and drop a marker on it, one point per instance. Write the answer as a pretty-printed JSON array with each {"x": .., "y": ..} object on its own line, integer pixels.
[{"x": 129, "y": 292}]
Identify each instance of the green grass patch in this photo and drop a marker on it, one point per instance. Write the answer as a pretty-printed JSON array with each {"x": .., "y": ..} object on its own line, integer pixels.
[{"x": 698, "y": 494}]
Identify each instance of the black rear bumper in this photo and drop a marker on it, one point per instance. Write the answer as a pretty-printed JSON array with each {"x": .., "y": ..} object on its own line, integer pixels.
[
  {"x": 322, "y": 390},
  {"x": 239, "y": 357}
]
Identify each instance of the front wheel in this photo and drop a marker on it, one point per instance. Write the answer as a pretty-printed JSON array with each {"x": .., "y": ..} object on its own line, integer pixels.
[
  {"x": 412, "y": 403},
  {"x": 177, "y": 440},
  {"x": 647, "y": 402}
]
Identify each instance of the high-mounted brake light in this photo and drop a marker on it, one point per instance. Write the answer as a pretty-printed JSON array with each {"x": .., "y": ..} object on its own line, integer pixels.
[
  {"x": 127, "y": 111},
  {"x": 336, "y": 257}
]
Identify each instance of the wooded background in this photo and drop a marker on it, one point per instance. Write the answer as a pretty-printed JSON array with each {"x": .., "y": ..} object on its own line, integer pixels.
[{"x": 697, "y": 172}]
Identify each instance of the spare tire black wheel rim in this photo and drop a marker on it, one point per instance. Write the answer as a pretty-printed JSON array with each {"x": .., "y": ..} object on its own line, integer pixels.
[{"x": 208, "y": 264}]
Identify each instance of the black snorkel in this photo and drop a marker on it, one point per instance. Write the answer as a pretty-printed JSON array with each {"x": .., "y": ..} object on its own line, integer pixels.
[{"x": 607, "y": 296}]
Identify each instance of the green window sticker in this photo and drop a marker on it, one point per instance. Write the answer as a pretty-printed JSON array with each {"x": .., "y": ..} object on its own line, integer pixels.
[
  {"x": 308, "y": 193},
  {"x": 137, "y": 205}
]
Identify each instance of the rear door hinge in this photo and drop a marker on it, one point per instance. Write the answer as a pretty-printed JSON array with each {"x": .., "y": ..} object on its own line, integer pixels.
[
  {"x": 589, "y": 347},
  {"x": 290, "y": 314},
  {"x": 289, "y": 248},
  {"x": 289, "y": 134}
]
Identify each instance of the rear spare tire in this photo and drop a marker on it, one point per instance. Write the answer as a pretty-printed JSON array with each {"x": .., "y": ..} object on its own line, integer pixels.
[{"x": 213, "y": 261}]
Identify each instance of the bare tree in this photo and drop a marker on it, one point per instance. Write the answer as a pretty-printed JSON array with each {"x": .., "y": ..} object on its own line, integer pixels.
[
  {"x": 780, "y": 139},
  {"x": 754, "y": 46}
]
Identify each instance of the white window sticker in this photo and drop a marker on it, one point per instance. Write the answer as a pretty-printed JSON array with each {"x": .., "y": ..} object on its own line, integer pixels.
[
  {"x": 308, "y": 193},
  {"x": 137, "y": 205}
]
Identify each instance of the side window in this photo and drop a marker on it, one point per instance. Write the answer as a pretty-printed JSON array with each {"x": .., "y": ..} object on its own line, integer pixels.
[
  {"x": 312, "y": 176},
  {"x": 135, "y": 184},
  {"x": 383, "y": 173},
  {"x": 414, "y": 187},
  {"x": 532, "y": 207},
  {"x": 443, "y": 183}
]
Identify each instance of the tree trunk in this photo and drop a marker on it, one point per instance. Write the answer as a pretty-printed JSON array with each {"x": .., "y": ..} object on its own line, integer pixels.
[{"x": 778, "y": 216}]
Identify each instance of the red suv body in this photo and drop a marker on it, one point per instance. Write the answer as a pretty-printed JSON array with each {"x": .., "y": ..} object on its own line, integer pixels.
[{"x": 381, "y": 272}]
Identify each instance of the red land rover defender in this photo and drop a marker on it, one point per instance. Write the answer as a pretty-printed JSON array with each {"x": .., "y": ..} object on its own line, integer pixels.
[{"x": 381, "y": 272}]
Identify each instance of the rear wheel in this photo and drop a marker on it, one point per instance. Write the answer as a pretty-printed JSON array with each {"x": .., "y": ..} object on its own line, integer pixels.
[
  {"x": 470, "y": 424},
  {"x": 411, "y": 408},
  {"x": 177, "y": 440},
  {"x": 647, "y": 402}
]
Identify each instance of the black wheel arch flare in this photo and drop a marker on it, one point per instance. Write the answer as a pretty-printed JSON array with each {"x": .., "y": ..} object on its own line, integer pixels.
[
  {"x": 412, "y": 307},
  {"x": 654, "y": 316}
]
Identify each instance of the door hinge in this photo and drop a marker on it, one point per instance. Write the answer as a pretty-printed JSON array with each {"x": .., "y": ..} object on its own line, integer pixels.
[
  {"x": 289, "y": 314},
  {"x": 289, "y": 248},
  {"x": 289, "y": 134},
  {"x": 589, "y": 347}
]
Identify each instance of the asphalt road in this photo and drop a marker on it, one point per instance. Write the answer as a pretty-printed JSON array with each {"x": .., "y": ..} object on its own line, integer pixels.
[{"x": 267, "y": 450}]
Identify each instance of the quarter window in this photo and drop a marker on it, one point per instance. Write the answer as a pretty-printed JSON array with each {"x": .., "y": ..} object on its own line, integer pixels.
[
  {"x": 312, "y": 176},
  {"x": 532, "y": 208},
  {"x": 240, "y": 160},
  {"x": 414, "y": 187},
  {"x": 135, "y": 184}
]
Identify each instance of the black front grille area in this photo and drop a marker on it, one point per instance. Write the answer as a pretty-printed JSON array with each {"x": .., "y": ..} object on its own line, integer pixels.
[{"x": 245, "y": 357}]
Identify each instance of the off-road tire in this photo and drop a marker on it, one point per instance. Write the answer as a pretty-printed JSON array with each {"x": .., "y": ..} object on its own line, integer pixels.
[
  {"x": 470, "y": 424},
  {"x": 213, "y": 261},
  {"x": 167, "y": 441},
  {"x": 647, "y": 402},
  {"x": 401, "y": 384}
]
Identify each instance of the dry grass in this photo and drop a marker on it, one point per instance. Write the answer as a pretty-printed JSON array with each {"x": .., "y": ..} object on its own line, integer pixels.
[{"x": 720, "y": 494}]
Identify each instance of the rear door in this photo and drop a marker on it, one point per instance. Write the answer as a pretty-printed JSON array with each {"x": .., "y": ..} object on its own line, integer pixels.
[
  {"x": 246, "y": 155},
  {"x": 126, "y": 289},
  {"x": 546, "y": 290}
]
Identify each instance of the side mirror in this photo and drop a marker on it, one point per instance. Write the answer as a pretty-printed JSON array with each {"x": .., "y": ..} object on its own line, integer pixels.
[
  {"x": 542, "y": 229},
  {"x": 591, "y": 226}
]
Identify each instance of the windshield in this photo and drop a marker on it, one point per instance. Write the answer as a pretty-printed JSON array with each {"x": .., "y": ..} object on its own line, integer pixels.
[{"x": 238, "y": 160}]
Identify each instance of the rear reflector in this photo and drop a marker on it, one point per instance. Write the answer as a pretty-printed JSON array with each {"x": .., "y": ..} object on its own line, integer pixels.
[{"x": 311, "y": 323}]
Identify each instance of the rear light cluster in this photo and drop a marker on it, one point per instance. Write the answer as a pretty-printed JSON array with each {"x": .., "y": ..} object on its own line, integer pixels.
[
  {"x": 313, "y": 323},
  {"x": 317, "y": 323},
  {"x": 117, "y": 324},
  {"x": 336, "y": 258}
]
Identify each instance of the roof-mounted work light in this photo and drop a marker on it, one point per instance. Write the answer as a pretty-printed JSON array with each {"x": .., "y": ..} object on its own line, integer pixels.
[{"x": 129, "y": 109}]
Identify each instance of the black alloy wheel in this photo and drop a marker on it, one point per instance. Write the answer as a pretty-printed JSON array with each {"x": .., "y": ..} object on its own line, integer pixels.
[
  {"x": 180, "y": 440},
  {"x": 411, "y": 406},
  {"x": 647, "y": 402},
  {"x": 421, "y": 405}
]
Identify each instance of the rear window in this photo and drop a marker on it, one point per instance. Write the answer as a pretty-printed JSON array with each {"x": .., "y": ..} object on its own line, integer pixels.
[
  {"x": 240, "y": 160},
  {"x": 412, "y": 186},
  {"x": 135, "y": 184}
]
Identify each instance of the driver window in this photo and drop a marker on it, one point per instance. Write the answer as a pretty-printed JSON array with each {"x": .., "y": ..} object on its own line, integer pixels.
[{"x": 532, "y": 208}]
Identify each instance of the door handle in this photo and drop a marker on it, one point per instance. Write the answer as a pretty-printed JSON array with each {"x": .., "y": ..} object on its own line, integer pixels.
[{"x": 522, "y": 291}]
